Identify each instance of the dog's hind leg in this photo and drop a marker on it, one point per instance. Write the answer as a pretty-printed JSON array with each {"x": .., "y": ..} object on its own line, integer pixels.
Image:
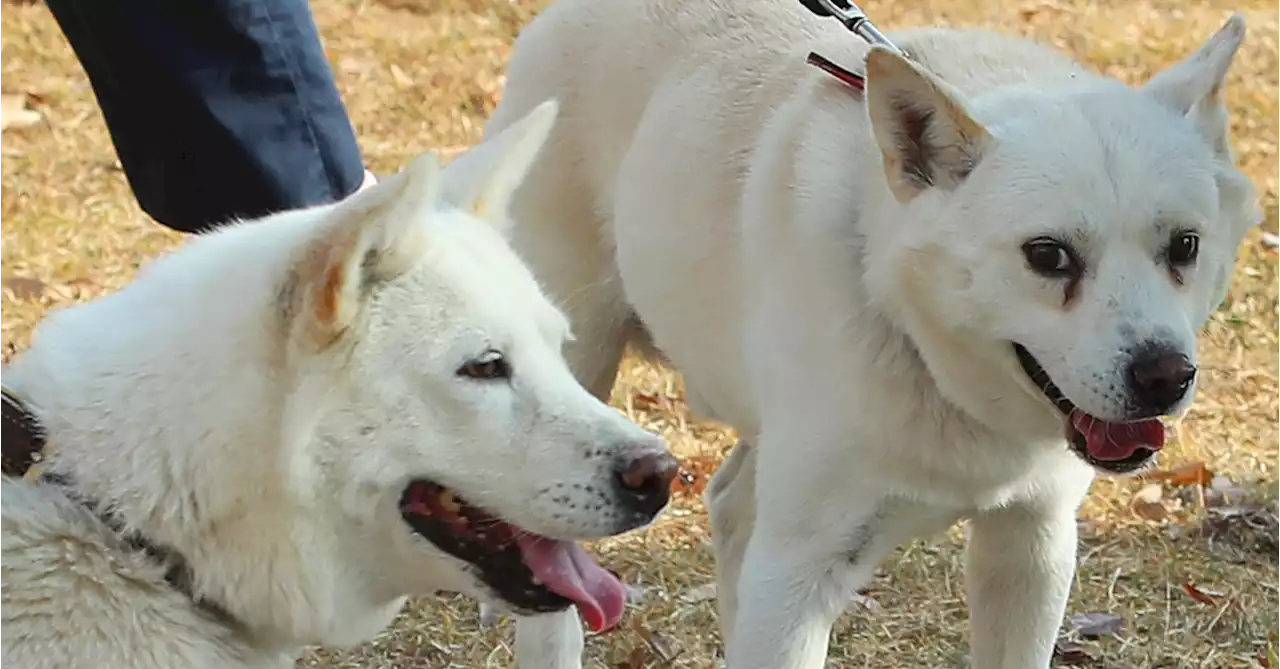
[{"x": 730, "y": 500}]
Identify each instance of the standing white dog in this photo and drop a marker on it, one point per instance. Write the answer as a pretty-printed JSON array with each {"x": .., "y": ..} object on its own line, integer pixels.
[
  {"x": 277, "y": 433},
  {"x": 955, "y": 297}
]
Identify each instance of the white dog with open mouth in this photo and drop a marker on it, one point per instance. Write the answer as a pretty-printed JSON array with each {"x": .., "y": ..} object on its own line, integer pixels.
[
  {"x": 275, "y": 434},
  {"x": 955, "y": 296}
]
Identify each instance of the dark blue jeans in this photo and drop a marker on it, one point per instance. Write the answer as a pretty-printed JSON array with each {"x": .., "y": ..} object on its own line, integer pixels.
[{"x": 218, "y": 109}]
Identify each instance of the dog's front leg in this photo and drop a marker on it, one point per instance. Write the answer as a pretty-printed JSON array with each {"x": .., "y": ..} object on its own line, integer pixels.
[
  {"x": 1019, "y": 565},
  {"x": 820, "y": 530},
  {"x": 549, "y": 641}
]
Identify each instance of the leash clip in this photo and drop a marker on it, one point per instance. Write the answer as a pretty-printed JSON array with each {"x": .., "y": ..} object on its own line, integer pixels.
[
  {"x": 854, "y": 19},
  {"x": 851, "y": 16}
]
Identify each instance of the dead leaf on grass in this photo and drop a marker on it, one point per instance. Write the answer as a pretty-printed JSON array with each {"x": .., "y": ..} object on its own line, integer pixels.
[
  {"x": 1093, "y": 625},
  {"x": 699, "y": 594},
  {"x": 695, "y": 474},
  {"x": 1202, "y": 595},
  {"x": 25, "y": 288},
  {"x": 14, "y": 112},
  {"x": 635, "y": 659},
  {"x": 1271, "y": 658},
  {"x": 657, "y": 642},
  {"x": 635, "y": 593},
  {"x": 1070, "y": 653},
  {"x": 1149, "y": 504},
  {"x": 1193, "y": 474}
]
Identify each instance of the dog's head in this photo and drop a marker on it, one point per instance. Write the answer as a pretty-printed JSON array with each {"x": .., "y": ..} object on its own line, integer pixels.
[
  {"x": 1054, "y": 251},
  {"x": 450, "y": 433}
]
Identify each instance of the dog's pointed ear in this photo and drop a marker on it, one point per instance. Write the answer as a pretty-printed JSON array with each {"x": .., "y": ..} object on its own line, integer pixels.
[
  {"x": 1193, "y": 87},
  {"x": 373, "y": 236},
  {"x": 925, "y": 134},
  {"x": 483, "y": 180}
]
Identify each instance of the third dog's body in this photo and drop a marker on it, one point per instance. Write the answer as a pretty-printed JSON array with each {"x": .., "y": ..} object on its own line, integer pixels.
[{"x": 902, "y": 302}]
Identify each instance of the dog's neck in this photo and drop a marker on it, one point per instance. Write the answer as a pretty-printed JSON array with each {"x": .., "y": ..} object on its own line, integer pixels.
[
  {"x": 22, "y": 441},
  {"x": 155, "y": 408}
]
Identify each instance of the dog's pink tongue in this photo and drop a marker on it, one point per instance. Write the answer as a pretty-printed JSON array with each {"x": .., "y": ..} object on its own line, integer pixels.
[
  {"x": 1117, "y": 441},
  {"x": 568, "y": 571}
]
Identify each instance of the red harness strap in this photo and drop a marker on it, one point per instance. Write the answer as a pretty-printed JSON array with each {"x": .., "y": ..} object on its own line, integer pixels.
[{"x": 848, "y": 78}]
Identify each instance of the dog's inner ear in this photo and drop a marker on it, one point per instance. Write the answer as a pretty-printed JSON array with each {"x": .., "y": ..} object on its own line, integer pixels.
[
  {"x": 483, "y": 180},
  {"x": 1193, "y": 87},
  {"x": 374, "y": 235},
  {"x": 925, "y": 134}
]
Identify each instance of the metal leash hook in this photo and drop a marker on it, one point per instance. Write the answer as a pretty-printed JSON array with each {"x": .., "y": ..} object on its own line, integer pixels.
[{"x": 855, "y": 20}]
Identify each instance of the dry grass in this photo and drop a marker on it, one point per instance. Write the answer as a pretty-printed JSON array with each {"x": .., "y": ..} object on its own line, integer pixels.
[{"x": 419, "y": 74}]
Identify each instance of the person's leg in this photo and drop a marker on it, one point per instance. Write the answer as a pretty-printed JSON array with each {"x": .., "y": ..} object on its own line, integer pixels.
[{"x": 218, "y": 109}]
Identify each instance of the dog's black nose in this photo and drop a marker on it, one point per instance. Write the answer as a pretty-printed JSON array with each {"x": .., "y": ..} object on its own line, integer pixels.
[
  {"x": 644, "y": 481},
  {"x": 1159, "y": 378}
]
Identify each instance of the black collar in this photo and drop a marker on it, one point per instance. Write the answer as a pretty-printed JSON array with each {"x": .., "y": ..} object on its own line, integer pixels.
[
  {"x": 23, "y": 436},
  {"x": 23, "y": 441}
]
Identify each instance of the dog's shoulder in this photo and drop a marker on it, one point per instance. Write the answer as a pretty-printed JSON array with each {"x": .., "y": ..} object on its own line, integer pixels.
[{"x": 76, "y": 596}]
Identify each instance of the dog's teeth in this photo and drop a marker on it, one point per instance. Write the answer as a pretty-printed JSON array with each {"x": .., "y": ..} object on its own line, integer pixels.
[
  {"x": 537, "y": 581},
  {"x": 449, "y": 501}
]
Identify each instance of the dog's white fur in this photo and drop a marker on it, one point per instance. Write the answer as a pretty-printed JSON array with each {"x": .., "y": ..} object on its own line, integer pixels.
[
  {"x": 841, "y": 279},
  {"x": 258, "y": 401}
]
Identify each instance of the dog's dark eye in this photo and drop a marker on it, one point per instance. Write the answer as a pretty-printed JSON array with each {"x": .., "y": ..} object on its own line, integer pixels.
[
  {"x": 488, "y": 367},
  {"x": 1183, "y": 249},
  {"x": 1051, "y": 258}
]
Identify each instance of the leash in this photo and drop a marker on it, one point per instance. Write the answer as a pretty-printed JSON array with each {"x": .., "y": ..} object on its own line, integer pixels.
[{"x": 855, "y": 21}]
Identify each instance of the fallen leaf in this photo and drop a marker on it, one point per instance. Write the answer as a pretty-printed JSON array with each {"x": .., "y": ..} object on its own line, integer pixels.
[
  {"x": 699, "y": 594},
  {"x": 1071, "y": 653},
  {"x": 1193, "y": 474},
  {"x": 636, "y": 659},
  {"x": 867, "y": 602},
  {"x": 656, "y": 641},
  {"x": 661, "y": 647},
  {"x": 1148, "y": 503},
  {"x": 635, "y": 593},
  {"x": 645, "y": 401},
  {"x": 1093, "y": 625},
  {"x": 25, "y": 288},
  {"x": 14, "y": 112},
  {"x": 1201, "y": 595},
  {"x": 695, "y": 474}
]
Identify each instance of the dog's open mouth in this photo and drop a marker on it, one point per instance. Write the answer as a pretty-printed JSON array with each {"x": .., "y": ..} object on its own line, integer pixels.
[
  {"x": 1116, "y": 447},
  {"x": 532, "y": 573}
]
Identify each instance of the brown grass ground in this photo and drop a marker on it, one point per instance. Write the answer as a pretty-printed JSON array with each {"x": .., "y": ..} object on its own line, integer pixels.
[{"x": 422, "y": 74}]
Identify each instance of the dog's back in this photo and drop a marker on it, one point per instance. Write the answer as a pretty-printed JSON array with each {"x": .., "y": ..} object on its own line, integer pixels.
[{"x": 723, "y": 65}]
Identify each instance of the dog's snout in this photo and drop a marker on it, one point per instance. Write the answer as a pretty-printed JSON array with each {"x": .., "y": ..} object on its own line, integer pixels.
[
  {"x": 644, "y": 481},
  {"x": 1159, "y": 378}
]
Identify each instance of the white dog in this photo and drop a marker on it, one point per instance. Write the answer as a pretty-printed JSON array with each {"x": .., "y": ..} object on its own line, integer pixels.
[
  {"x": 955, "y": 297},
  {"x": 275, "y": 434}
]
